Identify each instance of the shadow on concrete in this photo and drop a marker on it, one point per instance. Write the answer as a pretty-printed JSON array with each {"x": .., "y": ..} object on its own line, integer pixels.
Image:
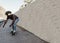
[{"x": 23, "y": 29}]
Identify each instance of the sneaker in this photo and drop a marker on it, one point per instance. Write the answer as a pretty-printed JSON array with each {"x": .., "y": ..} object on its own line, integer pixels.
[
  {"x": 14, "y": 32},
  {"x": 11, "y": 29},
  {"x": 11, "y": 32}
]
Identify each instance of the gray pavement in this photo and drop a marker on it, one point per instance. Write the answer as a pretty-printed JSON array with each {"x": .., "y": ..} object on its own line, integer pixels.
[{"x": 20, "y": 37}]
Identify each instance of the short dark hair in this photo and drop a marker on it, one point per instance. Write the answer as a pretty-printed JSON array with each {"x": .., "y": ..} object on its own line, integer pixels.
[{"x": 7, "y": 12}]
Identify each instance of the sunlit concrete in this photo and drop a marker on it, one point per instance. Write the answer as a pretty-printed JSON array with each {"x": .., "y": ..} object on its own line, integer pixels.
[{"x": 42, "y": 18}]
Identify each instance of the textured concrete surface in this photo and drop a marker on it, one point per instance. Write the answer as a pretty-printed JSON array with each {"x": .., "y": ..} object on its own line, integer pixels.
[
  {"x": 42, "y": 18},
  {"x": 20, "y": 37}
]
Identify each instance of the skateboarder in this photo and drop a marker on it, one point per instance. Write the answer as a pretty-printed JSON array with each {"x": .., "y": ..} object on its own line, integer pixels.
[{"x": 14, "y": 22}]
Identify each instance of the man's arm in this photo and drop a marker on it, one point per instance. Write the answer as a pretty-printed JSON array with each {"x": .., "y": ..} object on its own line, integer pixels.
[
  {"x": 5, "y": 22},
  {"x": 1, "y": 22}
]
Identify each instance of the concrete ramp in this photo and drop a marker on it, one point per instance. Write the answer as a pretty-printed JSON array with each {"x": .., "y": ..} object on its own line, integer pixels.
[{"x": 20, "y": 37}]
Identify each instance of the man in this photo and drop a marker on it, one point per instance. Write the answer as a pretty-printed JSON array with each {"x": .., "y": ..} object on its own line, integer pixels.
[{"x": 14, "y": 22}]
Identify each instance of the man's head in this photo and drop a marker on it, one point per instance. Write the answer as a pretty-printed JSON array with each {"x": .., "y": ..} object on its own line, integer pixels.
[{"x": 8, "y": 13}]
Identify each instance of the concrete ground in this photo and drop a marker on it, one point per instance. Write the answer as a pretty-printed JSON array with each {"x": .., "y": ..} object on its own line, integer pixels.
[{"x": 20, "y": 37}]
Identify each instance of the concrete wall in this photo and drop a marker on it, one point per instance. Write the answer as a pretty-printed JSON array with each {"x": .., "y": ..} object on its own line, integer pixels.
[
  {"x": 2, "y": 13},
  {"x": 42, "y": 18}
]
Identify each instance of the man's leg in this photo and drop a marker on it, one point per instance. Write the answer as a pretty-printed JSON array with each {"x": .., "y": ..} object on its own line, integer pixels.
[{"x": 14, "y": 25}]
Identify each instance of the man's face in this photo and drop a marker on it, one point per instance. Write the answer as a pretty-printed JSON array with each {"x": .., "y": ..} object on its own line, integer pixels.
[{"x": 9, "y": 14}]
